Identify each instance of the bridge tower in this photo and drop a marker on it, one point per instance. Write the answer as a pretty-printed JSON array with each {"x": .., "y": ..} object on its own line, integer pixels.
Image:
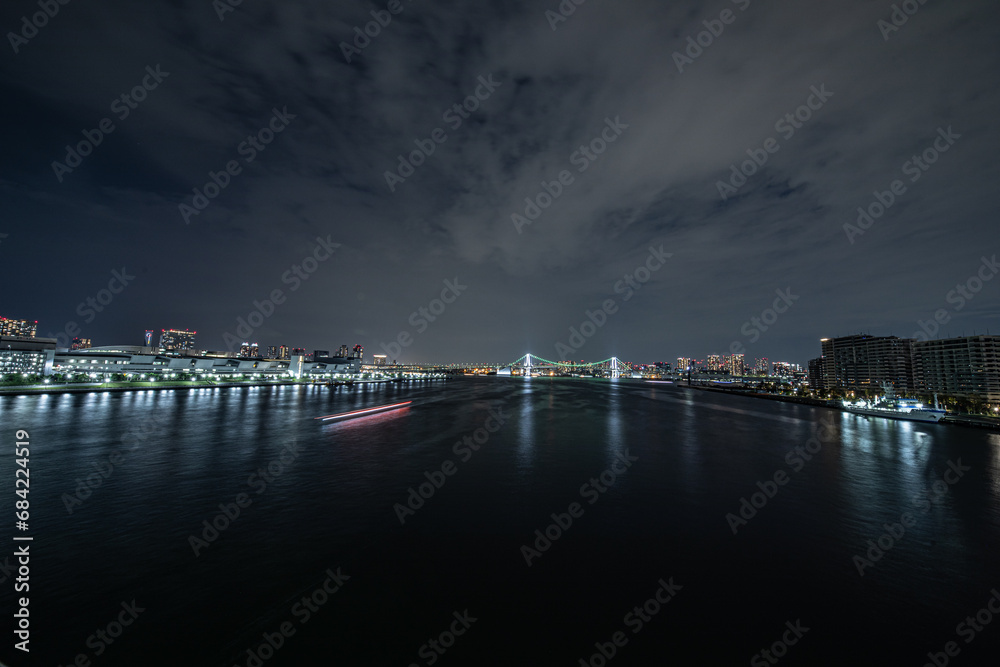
[{"x": 615, "y": 369}]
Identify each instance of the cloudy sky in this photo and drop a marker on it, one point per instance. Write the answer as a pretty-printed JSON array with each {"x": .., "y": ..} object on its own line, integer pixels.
[{"x": 352, "y": 108}]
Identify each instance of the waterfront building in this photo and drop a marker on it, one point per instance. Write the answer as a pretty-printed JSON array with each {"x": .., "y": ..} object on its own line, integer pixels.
[
  {"x": 18, "y": 328},
  {"x": 966, "y": 367},
  {"x": 26, "y": 354},
  {"x": 865, "y": 362},
  {"x": 683, "y": 364},
  {"x": 714, "y": 362},
  {"x": 176, "y": 340},
  {"x": 380, "y": 360},
  {"x": 817, "y": 379}
]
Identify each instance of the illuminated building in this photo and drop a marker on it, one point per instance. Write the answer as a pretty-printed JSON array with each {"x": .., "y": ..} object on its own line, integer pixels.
[
  {"x": 967, "y": 367},
  {"x": 865, "y": 362},
  {"x": 284, "y": 352},
  {"x": 761, "y": 367},
  {"x": 26, "y": 354},
  {"x": 380, "y": 360},
  {"x": 149, "y": 338},
  {"x": 358, "y": 353},
  {"x": 176, "y": 340},
  {"x": 19, "y": 328},
  {"x": 735, "y": 364},
  {"x": 344, "y": 352},
  {"x": 80, "y": 344},
  {"x": 714, "y": 362},
  {"x": 683, "y": 363}
]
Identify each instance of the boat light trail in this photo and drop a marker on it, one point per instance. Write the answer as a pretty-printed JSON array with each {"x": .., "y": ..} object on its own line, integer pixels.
[{"x": 366, "y": 411}]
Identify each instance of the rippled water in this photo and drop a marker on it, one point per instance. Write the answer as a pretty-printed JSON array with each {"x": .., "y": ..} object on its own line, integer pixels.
[{"x": 334, "y": 495}]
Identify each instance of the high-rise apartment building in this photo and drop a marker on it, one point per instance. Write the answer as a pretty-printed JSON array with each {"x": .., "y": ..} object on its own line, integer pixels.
[
  {"x": 380, "y": 360},
  {"x": 817, "y": 374},
  {"x": 683, "y": 363},
  {"x": 865, "y": 362},
  {"x": 358, "y": 353},
  {"x": 344, "y": 352},
  {"x": 19, "y": 328},
  {"x": 967, "y": 367},
  {"x": 284, "y": 352},
  {"x": 80, "y": 344},
  {"x": 735, "y": 364},
  {"x": 715, "y": 362}
]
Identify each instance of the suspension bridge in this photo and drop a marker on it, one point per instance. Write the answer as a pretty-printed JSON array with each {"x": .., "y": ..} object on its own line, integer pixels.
[{"x": 531, "y": 364}]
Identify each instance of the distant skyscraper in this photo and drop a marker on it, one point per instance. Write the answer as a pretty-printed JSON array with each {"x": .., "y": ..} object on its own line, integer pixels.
[
  {"x": 177, "y": 340},
  {"x": 149, "y": 338},
  {"x": 359, "y": 353},
  {"x": 80, "y": 344},
  {"x": 714, "y": 362},
  {"x": 761, "y": 366},
  {"x": 298, "y": 351},
  {"x": 683, "y": 363},
  {"x": 272, "y": 352},
  {"x": 284, "y": 352},
  {"x": 245, "y": 350},
  {"x": 735, "y": 364},
  {"x": 321, "y": 354},
  {"x": 344, "y": 351},
  {"x": 379, "y": 360},
  {"x": 21, "y": 328}
]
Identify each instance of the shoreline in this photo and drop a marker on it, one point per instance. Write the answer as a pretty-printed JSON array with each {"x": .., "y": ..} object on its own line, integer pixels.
[
  {"x": 35, "y": 390},
  {"x": 973, "y": 421}
]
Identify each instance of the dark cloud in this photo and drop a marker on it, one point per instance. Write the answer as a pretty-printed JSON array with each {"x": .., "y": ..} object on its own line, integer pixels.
[{"x": 324, "y": 175}]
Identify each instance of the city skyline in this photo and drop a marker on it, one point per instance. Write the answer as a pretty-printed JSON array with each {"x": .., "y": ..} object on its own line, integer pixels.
[{"x": 507, "y": 197}]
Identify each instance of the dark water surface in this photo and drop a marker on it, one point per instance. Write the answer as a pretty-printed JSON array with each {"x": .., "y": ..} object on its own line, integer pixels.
[{"x": 330, "y": 507}]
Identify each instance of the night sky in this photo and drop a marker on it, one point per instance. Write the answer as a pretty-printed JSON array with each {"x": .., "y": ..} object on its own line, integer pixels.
[{"x": 669, "y": 117}]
